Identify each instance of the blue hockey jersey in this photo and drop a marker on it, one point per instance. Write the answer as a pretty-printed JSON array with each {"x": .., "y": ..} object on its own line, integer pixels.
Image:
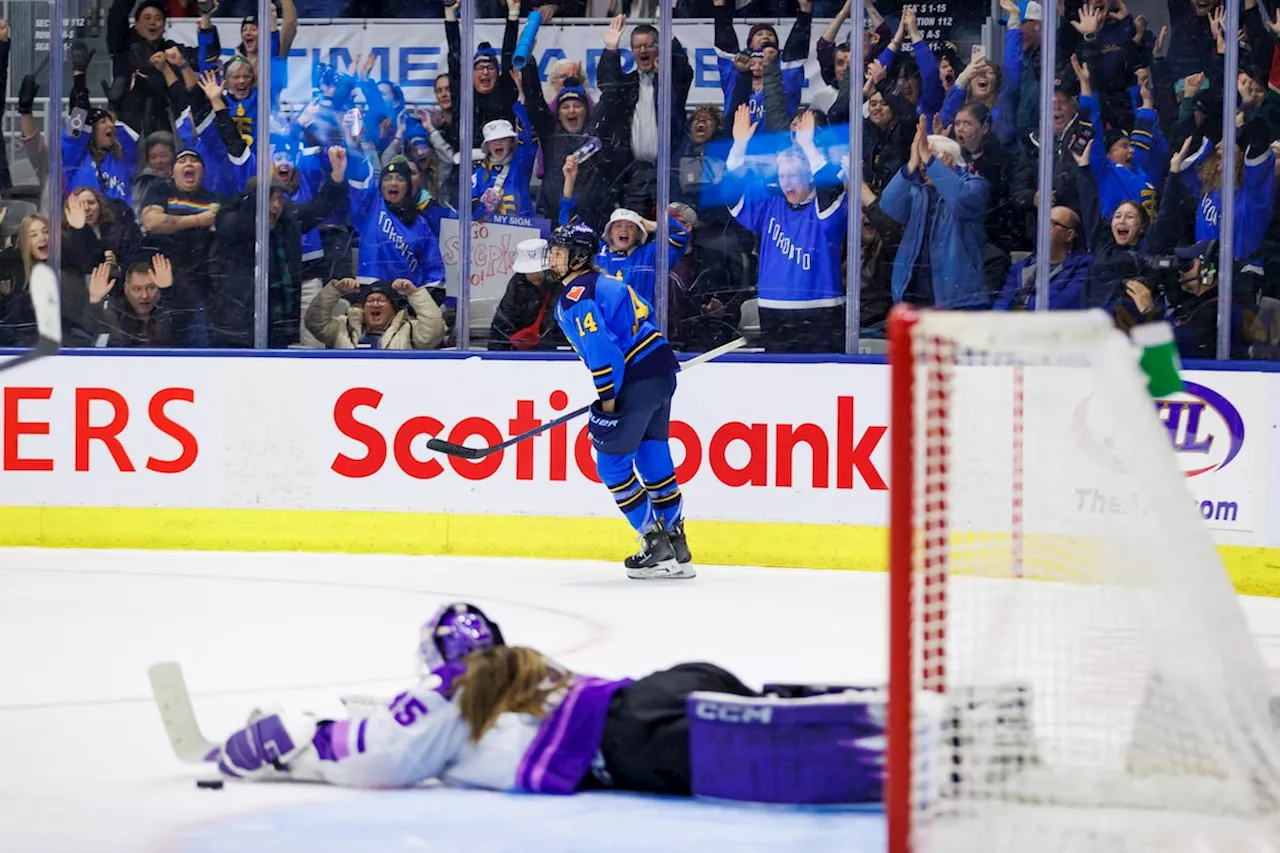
[
  {"x": 1117, "y": 184},
  {"x": 224, "y": 173},
  {"x": 613, "y": 331},
  {"x": 799, "y": 247},
  {"x": 114, "y": 176},
  {"x": 791, "y": 62},
  {"x": 516, "y": 200},
  {"x": 313, "y": 168},
  {"x": 390, "y": 249},
  {"x": 638, "y": 268},
  {"x": 792, "y": 84},
  {"x": 1252, "y": 212},
  {"x": 244, "y": 114}
]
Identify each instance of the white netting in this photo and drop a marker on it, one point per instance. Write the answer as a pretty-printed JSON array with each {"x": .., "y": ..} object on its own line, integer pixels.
[{"x": 1085, "y": 675}]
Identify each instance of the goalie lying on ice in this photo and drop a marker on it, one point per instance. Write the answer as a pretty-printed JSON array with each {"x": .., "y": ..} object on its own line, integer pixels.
[{"x": 509, "y": 719}]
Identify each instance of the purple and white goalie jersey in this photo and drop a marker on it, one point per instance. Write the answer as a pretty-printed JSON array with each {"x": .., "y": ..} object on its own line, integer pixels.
[{"x": 421, "y": 735}]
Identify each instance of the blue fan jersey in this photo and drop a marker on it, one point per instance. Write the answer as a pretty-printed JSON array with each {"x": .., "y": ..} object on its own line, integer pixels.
[
  {"x": 799, "y": 249},
  {"x": 1253, "y": 200},
  {"x": 515, "y": 188},
  {"x": 390, "y": 249},
  {"x": 223, "y": 173},
  {"x": 639, "y": 268},
  {"x": 612, "y": 330},
  {"x": 114, "y": 176},
  {"x": 792, "y": 84}
]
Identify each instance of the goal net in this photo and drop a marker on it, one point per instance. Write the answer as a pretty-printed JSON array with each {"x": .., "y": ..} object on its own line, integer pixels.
[{"x": 1070, "y": 669}]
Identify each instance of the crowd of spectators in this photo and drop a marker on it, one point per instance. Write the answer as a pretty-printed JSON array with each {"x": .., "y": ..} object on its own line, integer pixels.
[{"x": 158, "y": 189}]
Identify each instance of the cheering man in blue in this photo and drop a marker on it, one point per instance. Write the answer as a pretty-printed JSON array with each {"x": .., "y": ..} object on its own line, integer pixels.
[{"x": 801, "y": 223}]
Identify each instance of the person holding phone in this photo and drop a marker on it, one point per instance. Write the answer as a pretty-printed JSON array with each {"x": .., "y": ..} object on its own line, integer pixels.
[{"x": 984, "y": 82}]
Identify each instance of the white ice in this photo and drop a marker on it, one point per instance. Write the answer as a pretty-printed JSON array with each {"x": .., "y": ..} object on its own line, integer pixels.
[{"x": 86, "y": 766}]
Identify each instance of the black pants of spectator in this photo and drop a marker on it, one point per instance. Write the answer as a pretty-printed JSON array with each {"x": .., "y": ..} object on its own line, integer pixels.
[
  {"x": 640, "y": 188},
  {"x": 646, "y": 735},
  {"x": 337, "y": 241},
  {"x": 802, "y": 330},
  {"x": 995, "y": 267},
  {"x": 190, "y": 317}
]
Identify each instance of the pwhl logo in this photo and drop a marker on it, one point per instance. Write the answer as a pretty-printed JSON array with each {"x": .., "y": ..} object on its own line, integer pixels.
[{"x": 1206, "y": 431}]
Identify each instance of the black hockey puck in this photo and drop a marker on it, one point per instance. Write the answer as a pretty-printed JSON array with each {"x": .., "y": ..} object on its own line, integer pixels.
[{"x": 211, "y": 784}]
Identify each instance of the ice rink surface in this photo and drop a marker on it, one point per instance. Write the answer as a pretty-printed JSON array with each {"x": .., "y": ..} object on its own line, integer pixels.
[{"x": 87, "y": 766}]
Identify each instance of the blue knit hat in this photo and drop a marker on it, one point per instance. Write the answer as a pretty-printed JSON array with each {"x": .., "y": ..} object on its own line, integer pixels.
[
  {"x": 572, "y": 91},
  {"x": 485, "y": 53}
]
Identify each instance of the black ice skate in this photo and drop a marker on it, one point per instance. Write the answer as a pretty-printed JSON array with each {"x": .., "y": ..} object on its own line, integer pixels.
[
  {"x": 680, "y": 544},
  {"x": 656, "y": 559}
]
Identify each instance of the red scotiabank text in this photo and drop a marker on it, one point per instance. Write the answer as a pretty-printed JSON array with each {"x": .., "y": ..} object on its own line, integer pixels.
[
  {"x": 852, "y": 456},
  {"x": 27, "y": 412}
]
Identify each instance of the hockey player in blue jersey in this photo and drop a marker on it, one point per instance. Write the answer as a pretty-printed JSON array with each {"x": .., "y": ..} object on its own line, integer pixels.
[{"x": 634, "y": 371}]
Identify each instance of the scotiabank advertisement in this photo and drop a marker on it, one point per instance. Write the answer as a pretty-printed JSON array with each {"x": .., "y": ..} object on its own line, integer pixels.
[
  {"x": 762, "y": 442},
  {"x": 753, "y": 442}
]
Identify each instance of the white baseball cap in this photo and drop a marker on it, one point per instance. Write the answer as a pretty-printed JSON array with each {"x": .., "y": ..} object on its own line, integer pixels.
[
  {"x": 1034, "y": 12},
  {"x": 531, "y": 256},
  {"x": 499, "y": 129},
  {"x": 624, "y": 215}
]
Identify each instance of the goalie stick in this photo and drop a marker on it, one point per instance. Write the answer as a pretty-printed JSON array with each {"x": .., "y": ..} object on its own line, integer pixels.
[
  {"x": 174, "y": 703},
  {"x": 448, "y": 447},
  {"x": 47, "y": 303}
]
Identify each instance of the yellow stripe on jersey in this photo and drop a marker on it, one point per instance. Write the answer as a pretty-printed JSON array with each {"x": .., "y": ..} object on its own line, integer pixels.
[{"x": 635, "y": 350}]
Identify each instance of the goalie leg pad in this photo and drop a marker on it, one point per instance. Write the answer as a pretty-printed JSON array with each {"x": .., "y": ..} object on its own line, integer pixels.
[
  {"x": 987, "y": 735},
  {"x": 817, "y": 750}
]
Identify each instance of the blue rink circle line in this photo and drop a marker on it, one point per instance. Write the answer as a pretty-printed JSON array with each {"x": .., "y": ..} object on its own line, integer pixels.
[
  {"x": 599, "y": 631},
  {"x": 439, "y": 818}
]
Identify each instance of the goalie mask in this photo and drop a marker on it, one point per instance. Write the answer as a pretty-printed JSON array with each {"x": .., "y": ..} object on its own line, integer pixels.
[{"x": 455, "y": 631}]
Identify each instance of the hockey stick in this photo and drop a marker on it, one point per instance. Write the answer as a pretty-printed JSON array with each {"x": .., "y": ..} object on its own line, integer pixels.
[
  {"x": 174, "y": 702},
  {"x": 465, "y": 452},
  {"x": 47, "y": 303}
]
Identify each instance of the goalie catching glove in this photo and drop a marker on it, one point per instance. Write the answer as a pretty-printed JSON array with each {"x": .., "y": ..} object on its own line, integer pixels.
[{"x": 273, "y": 745}]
